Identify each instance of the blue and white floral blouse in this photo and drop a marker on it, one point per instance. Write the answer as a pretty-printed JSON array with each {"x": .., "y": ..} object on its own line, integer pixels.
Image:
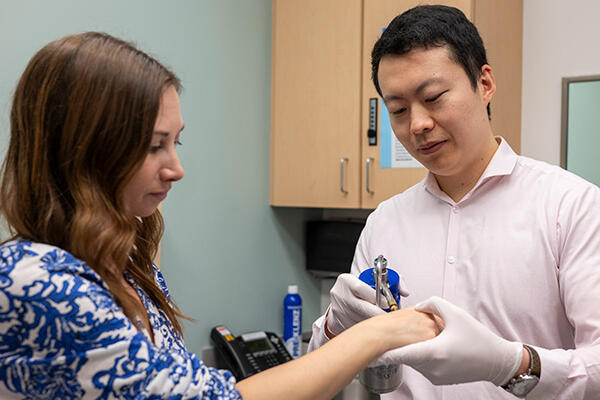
[{"x": 62, "y": 336}]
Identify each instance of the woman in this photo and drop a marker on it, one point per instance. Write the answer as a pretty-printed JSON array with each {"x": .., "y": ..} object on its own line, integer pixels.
[{"x": 84, "y": 313}]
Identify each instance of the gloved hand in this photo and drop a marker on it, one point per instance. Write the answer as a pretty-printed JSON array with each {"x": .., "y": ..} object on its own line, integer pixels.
[
  {"x": 352, "y": 301},
  {"x": 465, "y": 351}
]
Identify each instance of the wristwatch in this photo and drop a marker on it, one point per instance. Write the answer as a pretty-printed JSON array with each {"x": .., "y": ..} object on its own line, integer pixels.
[{"x": 524, "y": 383}]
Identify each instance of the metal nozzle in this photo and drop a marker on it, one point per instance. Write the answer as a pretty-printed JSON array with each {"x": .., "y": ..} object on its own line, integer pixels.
[
  {"x": 389, "y": 297},
  {"x": 380, "y": 266},
  {"x": 381, "y": 283}
]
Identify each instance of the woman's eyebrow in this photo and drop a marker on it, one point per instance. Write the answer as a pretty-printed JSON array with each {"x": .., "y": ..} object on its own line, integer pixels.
[{"x": 165, "y": 133}]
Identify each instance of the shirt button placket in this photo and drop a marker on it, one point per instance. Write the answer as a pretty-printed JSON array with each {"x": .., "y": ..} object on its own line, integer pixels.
[{"x": 451, "y": 256}]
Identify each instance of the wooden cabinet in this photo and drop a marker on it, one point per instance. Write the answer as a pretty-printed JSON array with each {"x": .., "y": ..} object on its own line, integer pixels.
[{"x": 321, "y": 87}]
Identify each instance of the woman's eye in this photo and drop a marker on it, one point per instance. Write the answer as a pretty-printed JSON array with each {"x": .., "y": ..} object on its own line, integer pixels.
[
  {"x": 154, "y": 149},
  {"x": 178, "y": 143}
]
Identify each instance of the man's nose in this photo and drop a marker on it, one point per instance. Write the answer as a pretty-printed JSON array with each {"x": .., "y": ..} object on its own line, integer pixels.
[{"x": 420, "y": 121}]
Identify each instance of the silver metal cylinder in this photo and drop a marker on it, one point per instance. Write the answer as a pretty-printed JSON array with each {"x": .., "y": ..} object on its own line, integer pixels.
[{"x": 381, "y": 379}]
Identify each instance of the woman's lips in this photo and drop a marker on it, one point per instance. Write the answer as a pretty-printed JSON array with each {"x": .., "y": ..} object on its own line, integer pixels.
[
  {"x": 431, "y": 148},
  {"x": 159, "y": 196}
]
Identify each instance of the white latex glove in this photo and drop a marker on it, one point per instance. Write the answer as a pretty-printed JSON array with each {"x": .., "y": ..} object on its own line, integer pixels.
[
  {"x": 352, "y": 301},
  {"x": 402, "y": 288},
  {"x": 465, "y": 351}
]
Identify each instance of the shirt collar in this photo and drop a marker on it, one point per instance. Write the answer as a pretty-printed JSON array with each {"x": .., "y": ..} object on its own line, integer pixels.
[{"x": 502, "y": 163}]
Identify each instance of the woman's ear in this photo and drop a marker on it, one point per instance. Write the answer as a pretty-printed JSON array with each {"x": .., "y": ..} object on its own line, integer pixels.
[{"x": 487, "y": 84}]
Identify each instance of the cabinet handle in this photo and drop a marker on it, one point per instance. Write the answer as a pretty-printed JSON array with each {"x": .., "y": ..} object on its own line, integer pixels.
[
  {"x": 342, "y": 162},
  {"x": 368, "y": 173}
]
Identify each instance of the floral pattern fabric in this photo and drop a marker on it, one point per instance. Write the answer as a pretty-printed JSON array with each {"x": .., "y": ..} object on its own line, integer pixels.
[{"x": 62, "y": 336}]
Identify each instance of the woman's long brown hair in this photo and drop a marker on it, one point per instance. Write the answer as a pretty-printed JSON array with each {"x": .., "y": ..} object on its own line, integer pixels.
[{"x": 81, "y": 123}]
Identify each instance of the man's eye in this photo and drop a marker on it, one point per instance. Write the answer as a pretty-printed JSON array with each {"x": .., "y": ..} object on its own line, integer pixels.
[
  {"x": 398, "y": 111},
  {"x": 434, "y": 98}
]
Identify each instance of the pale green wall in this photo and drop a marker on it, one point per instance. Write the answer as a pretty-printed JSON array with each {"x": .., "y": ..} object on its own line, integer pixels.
[
  {"x": 583, "y": 140},
  {"x": 227, "y": 256}
]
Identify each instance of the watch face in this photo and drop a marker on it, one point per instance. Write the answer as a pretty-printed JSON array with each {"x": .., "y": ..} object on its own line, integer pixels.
[{"x": 524, "y": 384}]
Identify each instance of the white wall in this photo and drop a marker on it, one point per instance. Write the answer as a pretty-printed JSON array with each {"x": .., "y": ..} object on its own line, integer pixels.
[{"x": 560, "y": 39}]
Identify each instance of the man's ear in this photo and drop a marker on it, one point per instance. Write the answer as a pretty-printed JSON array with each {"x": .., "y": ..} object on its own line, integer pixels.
[{"x": 487, "y": 83}]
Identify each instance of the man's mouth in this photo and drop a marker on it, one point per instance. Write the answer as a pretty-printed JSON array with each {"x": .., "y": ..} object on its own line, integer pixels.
[{"x": 431, "y": 147}]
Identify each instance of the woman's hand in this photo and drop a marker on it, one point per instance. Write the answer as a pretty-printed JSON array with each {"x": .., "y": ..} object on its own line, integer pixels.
[{"x": 397, "y": 329}]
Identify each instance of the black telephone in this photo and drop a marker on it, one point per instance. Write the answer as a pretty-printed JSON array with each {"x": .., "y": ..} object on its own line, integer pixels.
[{"x": 247, "y": 354}]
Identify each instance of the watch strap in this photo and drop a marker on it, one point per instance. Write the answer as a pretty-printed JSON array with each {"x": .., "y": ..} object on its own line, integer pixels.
[{"x": 535, "y": 366}]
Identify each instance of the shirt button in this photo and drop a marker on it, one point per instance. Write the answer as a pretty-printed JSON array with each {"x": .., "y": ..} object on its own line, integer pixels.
[
  {"x": 451, "y": 259},
  {"x": 455, "y": 210}
]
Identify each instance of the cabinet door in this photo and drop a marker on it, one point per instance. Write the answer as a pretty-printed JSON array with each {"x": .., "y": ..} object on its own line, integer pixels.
[
  {"x": 384, "y": 182},
  {"x": 500, "y": 24},
  {"x": 315, "y": 103}
]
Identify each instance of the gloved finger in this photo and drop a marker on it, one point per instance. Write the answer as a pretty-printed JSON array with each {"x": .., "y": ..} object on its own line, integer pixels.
[
  {"x": 358, "y": 309},
  {"x": 359, "y": 288},
  {"x": 437, "y": 306},
  {"x": 390, "y": 357},
  {"x": 402, "y": 287},
  {"x": 412, "y": 354},
  {"x": 349, "y": 283},
  {"x": 368, "y": 309}
]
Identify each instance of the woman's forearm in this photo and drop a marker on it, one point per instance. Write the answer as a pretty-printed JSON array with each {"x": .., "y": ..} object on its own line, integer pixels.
[
  {"x": 317, "y": 375},
  {"x": 324, "y": 372}
]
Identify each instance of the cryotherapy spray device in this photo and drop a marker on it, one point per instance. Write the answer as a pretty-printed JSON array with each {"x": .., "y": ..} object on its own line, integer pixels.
[{"x": 386, "y": 282}]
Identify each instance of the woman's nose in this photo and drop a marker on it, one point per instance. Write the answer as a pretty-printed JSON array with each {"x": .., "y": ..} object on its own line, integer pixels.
[{"x": 173, "y": 171}]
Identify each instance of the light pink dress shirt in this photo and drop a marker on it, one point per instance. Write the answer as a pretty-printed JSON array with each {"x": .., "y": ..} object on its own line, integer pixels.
[{"x": 520, "y": 252}]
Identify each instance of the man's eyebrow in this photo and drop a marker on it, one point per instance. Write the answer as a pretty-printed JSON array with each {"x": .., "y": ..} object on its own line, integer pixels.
[
  {"x": 419, "y": 89},
  {"x": 428, "y": 82},
  {"x": 387, "y": 99}
]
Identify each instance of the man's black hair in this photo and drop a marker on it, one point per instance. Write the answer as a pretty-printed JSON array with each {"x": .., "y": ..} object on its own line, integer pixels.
[{"x": 432, "y": 26}]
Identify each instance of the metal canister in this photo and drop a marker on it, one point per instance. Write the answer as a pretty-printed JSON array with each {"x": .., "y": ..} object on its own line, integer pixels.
[
  {"x": 382, "y": 378},
  {"x": 385, "y": 281}
]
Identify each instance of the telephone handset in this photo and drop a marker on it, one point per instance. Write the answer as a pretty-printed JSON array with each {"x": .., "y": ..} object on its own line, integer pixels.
[{"x": 249, "y": 353}]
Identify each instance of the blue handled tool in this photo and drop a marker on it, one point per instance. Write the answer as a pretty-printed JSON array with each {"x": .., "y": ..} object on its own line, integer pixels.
[{"x": 385, "y": 281}]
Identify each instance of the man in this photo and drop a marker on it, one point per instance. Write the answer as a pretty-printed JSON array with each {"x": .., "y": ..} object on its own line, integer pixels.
[{"x": 508, "y": 246}]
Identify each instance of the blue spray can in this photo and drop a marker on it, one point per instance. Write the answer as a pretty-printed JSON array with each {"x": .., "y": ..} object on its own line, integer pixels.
[{"x": 292, "y": 321}]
